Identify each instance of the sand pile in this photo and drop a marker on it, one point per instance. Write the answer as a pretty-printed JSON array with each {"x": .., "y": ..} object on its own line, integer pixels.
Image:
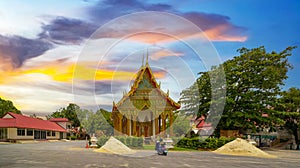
[
  {"x": 115, "y": 146},
  {"x": 243, "y": 148}
]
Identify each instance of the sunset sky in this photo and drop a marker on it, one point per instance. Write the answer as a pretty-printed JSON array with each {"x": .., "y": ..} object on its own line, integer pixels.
[{"x": 53, "y": 52}]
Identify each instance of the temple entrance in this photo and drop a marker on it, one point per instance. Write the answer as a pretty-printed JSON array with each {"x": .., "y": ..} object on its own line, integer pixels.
[{"x": 143, "y": 129}]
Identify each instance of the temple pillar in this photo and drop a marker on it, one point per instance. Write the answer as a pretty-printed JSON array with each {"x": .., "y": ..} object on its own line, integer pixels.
[
  {"x": 153, "y": 128},
  {"x": 171, "y": 124},
  {"x": 163, "y": 118},
  {"x": 128, "y": 128},
  {"x": 156, "y": 126},
  {"x": 134, "y": 126},
  {"x": 120, "y": 125}
]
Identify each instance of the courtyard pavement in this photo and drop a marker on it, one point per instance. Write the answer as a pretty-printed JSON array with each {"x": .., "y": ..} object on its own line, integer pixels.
[{"x": 74, "y": 154}]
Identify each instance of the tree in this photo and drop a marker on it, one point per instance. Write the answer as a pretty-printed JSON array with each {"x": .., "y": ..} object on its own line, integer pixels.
[
  {"x": 253, "y": 82},
  {"x": 7, "y": 106},
  {"x": 99, "y": 121},
  {"x": 181, "y": 125},
  {"x": 289, "y": 105},
  {"x": 70, "y": 112}
]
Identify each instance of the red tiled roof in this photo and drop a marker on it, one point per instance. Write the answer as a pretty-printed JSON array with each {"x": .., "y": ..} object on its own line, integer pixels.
[
  {"x": 202, "y": 124},
  {"x": 58, "y": 119},
  {"x": 20, "y": 121}
]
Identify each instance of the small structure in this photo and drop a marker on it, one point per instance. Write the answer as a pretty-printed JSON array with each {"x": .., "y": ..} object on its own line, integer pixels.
[
  {"x": 168, "y": 142},
  {"x": 19, "y": 127},
  {"x": 94, "y": 141}
]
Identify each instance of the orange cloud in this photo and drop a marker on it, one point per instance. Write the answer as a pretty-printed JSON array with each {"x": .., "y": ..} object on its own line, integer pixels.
[
  {"x": 217, "y": 34},
  {"x": 66, "y": 72},
  {"x": 155, "y": 28},
  {"x": 213, "y": 34},
  {"x": 164, "y": 53}
]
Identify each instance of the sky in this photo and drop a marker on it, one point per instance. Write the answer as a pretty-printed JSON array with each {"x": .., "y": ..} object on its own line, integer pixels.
[{"x": 87, "y": 52}]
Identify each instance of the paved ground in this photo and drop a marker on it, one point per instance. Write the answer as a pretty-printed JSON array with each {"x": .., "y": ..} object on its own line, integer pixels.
[{"x": 73, "y": 154}]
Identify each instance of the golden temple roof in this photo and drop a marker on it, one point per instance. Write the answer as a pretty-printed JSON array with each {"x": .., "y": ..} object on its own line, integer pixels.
[{"x": 139, "y": 77}]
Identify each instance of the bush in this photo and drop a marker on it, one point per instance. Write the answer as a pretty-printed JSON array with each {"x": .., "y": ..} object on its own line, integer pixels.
[
  {"x": 72, "y": 137},
  {"x": 203, "y": 143},
  {"x": 134, "y": 142},
  {"x": 102, "y": 140}
]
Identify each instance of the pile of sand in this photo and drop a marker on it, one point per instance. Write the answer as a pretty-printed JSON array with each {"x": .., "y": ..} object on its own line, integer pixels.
[
  {"x": 243, "y": 148},
  {"x": 115, "y": 146}
]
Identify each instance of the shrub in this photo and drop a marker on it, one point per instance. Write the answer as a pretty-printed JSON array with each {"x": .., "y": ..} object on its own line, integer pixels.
[
  {"x": 140, "y": 142},
  {"x": 203, "y": 143},
  {"x": 102, "y": 140},
  {"x": 122, "y": 139},
  {"x": 72, "y": 137},
  {"x": 134, "y": 142}
]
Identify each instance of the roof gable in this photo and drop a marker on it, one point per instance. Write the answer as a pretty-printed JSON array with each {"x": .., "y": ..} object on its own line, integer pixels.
[
  {"x": 7, "y": 115},
  {"x": 145, "y": 80}
]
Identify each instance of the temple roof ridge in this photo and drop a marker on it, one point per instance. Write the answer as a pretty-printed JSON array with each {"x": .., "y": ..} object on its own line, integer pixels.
[{"x": 152, "y": 79}]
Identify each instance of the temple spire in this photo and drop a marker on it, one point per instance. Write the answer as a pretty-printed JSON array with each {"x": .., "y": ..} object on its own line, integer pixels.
[
  {"x": 143, "y": 59},
  {"x": 147, "y": 57}
]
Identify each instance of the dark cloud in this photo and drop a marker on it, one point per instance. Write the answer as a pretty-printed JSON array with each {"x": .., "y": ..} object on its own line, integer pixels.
[
  {"x": 107, "y": 87},
  {"x": 14, "y": 50},
  {"x": 91, "y": 88},
  {"x": 63, "y": 30},
  {"x": 208, "y": 21},
  {"x": 105, "y": 11}
]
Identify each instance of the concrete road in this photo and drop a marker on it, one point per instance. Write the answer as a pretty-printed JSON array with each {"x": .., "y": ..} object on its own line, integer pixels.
[{"x": 74, "y": 154}]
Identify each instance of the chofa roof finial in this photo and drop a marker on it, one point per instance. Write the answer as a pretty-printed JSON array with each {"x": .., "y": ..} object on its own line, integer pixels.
[
  {"x": 147, "y": 57},
  {"x": 143, "y": 59}
]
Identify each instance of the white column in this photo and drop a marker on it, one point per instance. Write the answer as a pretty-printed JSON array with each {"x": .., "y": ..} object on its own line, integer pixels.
[{"x": 153, "y": 128}]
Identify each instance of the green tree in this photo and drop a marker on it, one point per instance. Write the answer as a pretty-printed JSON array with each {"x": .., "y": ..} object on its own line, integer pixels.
[
  {"x": 289, "y": 105},
  {"x": 99, "y": 121},
  {"x": 253, "y": 82},
  {"x": 7, "y": 106},
  {"x": 69, "y": 112},
  {"x": 181, "y": 125}
]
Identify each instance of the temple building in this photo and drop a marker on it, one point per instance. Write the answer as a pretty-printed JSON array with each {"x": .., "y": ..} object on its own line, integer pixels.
[{"x": 145, "y": 110}]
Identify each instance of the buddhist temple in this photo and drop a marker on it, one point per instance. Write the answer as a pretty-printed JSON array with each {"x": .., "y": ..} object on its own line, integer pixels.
[{"x": 145, "y": 110}]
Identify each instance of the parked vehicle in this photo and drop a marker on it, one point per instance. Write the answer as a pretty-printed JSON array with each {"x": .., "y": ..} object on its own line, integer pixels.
[{"x": 161, "y": 149}]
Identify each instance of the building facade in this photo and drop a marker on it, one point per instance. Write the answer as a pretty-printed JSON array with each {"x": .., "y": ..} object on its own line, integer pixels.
[
  {"x": 145, "y": 110},
  {"x": 19, "y": 127}
]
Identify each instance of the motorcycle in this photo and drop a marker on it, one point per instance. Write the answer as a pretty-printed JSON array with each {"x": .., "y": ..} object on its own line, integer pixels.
[{"x": 161, "y": 148}]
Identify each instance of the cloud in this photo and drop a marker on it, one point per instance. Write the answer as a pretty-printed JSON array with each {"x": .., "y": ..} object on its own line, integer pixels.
[
  {"x": 14, "y": 50},
  {"x": 62, "y": 30},
  {"x": 216, "y": 27},
  {"x": 164, "y": 53},
  {"x": 104, "y": 11}
]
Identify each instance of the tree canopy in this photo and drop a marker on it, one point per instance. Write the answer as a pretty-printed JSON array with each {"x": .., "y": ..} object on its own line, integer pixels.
[
  {"x": 289, "y": 106},
  {"x": 7, "y": 106},
  {"x": 99, "y": 122},
  {"x": 69, "y": 112},
  {"x": 253, "y": 83}
]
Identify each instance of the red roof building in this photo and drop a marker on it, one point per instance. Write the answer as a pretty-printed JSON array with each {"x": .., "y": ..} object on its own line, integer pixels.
[
  {"x": 19, "y": 127},
  {"x": 201, "y": 127}
]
